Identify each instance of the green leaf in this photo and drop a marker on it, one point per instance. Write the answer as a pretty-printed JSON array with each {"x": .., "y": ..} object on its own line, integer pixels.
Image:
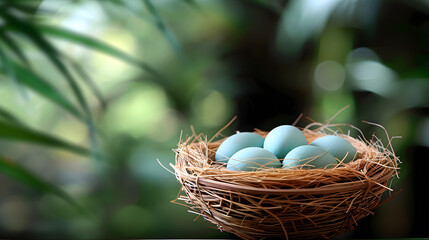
[
  {"x": 86, "y": 77},
  {"x": 7, "y": 116},
  {"x": 24, "y": 176},
  {"x": 13, "y": 46},
  {"x": 5, "y": 64},
  {"x": 41, "y": 86},
  {"x": 34, "y": 34},
  {"x": 14, "y": 132},
  {"x": 162, "y": 26},
  {"x": 22, "y": 5},
  {"x": 96, "y": 45},
  {"x": 27, "y": 28},
  {"x": 10, "y": 72}
]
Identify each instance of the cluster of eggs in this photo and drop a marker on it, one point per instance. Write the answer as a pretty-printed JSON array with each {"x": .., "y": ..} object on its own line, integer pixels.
[{"x": 285, "y": 146}]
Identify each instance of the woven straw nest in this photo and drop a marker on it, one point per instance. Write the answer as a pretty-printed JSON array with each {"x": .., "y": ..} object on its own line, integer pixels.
[{"x": 285, "y": 203}]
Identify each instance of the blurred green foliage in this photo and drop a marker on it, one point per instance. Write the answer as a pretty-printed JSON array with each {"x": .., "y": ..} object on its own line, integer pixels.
[{"x": 92, "y": 93}]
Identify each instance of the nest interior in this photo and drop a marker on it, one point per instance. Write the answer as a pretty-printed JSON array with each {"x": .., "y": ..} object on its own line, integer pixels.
[{"x": 286, "y": 203}]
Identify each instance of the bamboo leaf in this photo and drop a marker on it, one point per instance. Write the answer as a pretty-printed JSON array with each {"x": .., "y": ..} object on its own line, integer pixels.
[
  {"x": 14, "y": 132},
  {"x": 26, "y": 177},
  {"x": 41, "y": 86},
  {"x": 10, "y": 72},
  {"x": 7, "y": 116},
  {"x": 5, "y": 64},
  {"x": 26, "y": 28},
  {"x": 27, "y": 7},
  {"x": 96, "y": 45},
  {"x": 130, "y": 9},
  {"x": 33, "y": 33},
  {"x": 162, "y": 26},
  {"x": 13, "y": 46},
  {"x": 89, "y": 81}
]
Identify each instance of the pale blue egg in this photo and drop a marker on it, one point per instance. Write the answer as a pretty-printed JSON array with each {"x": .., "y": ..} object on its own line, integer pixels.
[
  {"x": 284, "y": 138},
  {"x": 313, "y": 156},
  {"x": 337, "y": 146},
  {"x": 237, "y": 142},
  {"x": 252, "y": 159}
]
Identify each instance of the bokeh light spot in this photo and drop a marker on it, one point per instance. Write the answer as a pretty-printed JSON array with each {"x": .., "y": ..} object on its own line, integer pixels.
[
  {"x": 167, "y": 126},
  {"x": 137, "y": 111},
  {"x": 372, "y": 76},
  {"x": 213, "y": 109},
  {"x": 361, "y": 54},
  {"x": 329, "y": 75}
]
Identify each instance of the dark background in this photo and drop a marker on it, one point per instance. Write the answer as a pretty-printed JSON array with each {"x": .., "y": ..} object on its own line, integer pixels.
[{"x": 153, "y": 68}]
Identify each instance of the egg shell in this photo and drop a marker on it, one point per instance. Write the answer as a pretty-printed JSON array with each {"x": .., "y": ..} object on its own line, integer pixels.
[
  {"x": 237, "y": 142},
  {"x": 339, "y": 147},
  {"x": 313, "y": 156},
  {"x": 252, "y": 159},
  {"x": 283, "y": 139}
]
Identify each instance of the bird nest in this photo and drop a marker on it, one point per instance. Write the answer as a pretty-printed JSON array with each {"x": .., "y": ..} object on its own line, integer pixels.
[{"x": 288, "y": 203}]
